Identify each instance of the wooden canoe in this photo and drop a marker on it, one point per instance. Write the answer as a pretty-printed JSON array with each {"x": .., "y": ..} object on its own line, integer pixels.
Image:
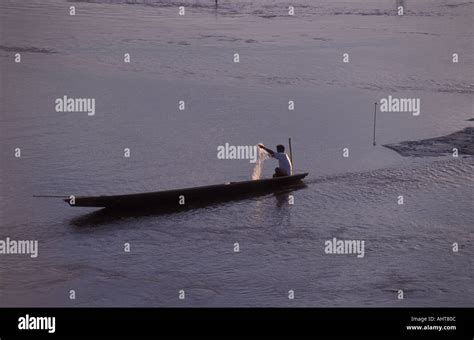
[{"x": 188, "y": 197}]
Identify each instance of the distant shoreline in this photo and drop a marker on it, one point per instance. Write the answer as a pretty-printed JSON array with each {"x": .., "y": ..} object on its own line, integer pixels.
[{"x": 463, "y": 140}]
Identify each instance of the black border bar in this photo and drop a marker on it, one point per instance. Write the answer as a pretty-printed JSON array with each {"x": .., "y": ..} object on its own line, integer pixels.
[{"x": 291, "y": 323}]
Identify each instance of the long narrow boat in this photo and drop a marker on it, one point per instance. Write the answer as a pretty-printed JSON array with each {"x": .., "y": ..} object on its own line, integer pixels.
[{"x": 188, "y": 197}]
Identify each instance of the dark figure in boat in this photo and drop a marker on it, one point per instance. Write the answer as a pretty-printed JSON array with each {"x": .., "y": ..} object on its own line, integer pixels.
[{"x": 285, "y": 168}]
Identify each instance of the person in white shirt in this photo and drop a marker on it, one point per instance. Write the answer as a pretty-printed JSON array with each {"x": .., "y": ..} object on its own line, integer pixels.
[{"x": 285, "y": 168}]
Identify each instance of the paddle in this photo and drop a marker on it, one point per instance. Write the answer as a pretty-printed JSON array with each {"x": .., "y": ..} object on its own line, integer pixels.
[{"x": 291, "y": 155}]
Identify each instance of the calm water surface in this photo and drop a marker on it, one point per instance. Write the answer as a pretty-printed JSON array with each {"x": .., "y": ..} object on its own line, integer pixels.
[{"x": 281, "y": 247}]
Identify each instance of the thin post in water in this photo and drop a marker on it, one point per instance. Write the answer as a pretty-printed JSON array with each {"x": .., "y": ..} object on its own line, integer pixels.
[{"x": 375, "y": 119}]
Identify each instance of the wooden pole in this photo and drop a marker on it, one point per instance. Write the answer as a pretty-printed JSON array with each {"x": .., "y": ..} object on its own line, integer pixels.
[
  {"x": 375, "y": 119},
  {"x": 291, "y": 154},
  {"x": 51, "y": 196}
]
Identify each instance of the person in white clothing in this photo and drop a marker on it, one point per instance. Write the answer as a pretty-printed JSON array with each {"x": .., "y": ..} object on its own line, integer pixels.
[{"x": 285, "y": 168}]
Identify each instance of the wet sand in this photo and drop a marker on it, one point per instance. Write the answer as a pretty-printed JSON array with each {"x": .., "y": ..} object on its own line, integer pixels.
[{"x": 462, "y": 140}]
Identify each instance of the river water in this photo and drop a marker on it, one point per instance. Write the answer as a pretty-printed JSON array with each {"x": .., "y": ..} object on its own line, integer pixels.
[{"x": 281, "y": 247}]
